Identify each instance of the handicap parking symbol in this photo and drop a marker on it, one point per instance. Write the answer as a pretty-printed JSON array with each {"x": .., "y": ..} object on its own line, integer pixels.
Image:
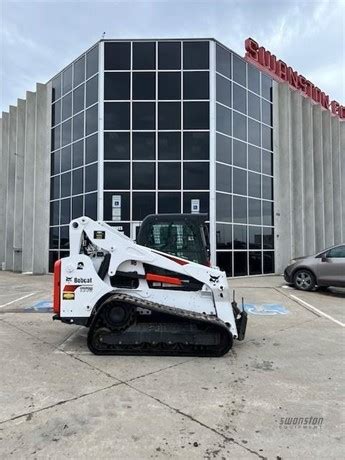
[{"x": 266, "y": 309}]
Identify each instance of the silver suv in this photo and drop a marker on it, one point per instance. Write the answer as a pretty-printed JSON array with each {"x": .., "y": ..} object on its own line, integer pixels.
[{"x": 327, "y": 268}]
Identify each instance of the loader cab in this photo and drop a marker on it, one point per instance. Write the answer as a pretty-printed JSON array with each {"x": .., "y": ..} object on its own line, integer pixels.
[{"x": 182, "y": 235}]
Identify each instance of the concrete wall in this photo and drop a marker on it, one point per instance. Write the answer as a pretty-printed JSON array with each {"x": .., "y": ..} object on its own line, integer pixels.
[
  {"x": 24, "y": 184},
  {"x": 309, "y": 176}
]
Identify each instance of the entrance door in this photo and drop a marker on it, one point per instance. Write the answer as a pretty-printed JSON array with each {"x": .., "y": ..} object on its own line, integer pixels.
[{"x": 134, "y": 230}]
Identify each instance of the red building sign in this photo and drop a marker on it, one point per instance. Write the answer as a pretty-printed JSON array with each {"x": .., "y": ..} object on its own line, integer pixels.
[{"x": 280, "y": 71}]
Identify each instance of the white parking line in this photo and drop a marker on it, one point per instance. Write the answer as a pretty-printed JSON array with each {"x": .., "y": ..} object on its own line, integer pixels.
[
  {"x": 318, "y": 311},
  {"x": 17, "y": 300}
]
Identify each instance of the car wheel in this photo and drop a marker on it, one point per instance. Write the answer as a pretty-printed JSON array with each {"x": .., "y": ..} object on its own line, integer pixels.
[{"x": 304, "y": 280}]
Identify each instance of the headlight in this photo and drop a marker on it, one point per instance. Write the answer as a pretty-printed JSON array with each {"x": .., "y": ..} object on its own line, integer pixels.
[{"x": 292, "y": 261}]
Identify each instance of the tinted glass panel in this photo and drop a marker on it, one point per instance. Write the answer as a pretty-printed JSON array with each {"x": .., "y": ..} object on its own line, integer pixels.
[
  {"x": 78, "y": 99},
  {"x": 224, "y": 145},
  {"x": 55, "y": 163},
  {"x": 255, "y": 237},
  {"x": 91, "y": 173},
  {"x": 169, "y": 202},
  {"x": 66, "y": 132},
  {"x": 79, "y": 71},
  {"x": 66, "y": 158},
  {"x": 255, "y": 261},
  {"x": 254, "y": 132},
  {"x": 240, "y": 263},
  {"x": 224, "y": 236},
  {"x": 56, "y": 113},
  {"x": 66, "y": 184},
  {"x": 267, "y": 112},
  {"x": 144, "y": 55},
  {"x": 116, "y": 176},
  {"x": 169, "y": 115},
  {"x": 253, "y": 79},
  {"x": 78, "y": 126},
  {"x": 67, "y": 80},
  {"x": 223, "y": 61},
  {"x": 254, "y": 185},
  {"x": 108, "y": 205},
  {"x": 203, "y": 201},
  {"x": 144, "y": 115},
  {"x": 143, "y": 204},
  {"x": 117, "y": 56},
  {"x": 91, "y": 149},
  {"x": 91, "y": 205},
  {"x": 55, "y": 138},
  {"x": 240, "y": 126},
  {"x": 144, "y": 176},
  {"x": 240, "y": 181},
  {"x": 144, "y": 85},
  {"x": 196, "y": 176},
  {"x": 254, "y": 158},
  {"x": 239, "y": 98},
  {"x": 78, "y": 154},
  {"x": 267, "y": 187},
  {"x": 169, "y": 85},
  {"x": 223, "y": 91},
  {"x": 240, "y": 209},
  {"x": 196, "y": 115},
  {"x": 195, "y": 55},
  {"x": 65, "y": 216},
  {"x": 144, "y": 146},
  {"x": 239, "y": 156},
  {"x": 267, "y": 162},
  {"x": 267, "y": 137},
  {"x": 268, "y": 257},
  {"x": 223, "y": 207},
  {"x": 116, "y": 85},
  {"x": 266, "y": 87},
  {"x": 223, "y": 178},
  {"x": 169, "y": 55},
  {"x": 196, "y": 146},
  {"x": 56, "y": 88},
  {"x": 224, "y": 262},
  {"x": 77, "y": 207},
  {"x": 239, "y": 70},
  {"x": 92, "y": 62},
  {"x": 92, "y": 120},
  {"x": 254, "y": 211},
  {"x": 268, "y": 241},
  {"x": 253, "y": 106},
  {"x": 54, "y": 212},
  {"x": 169, "y": 176},
  {"x": 223, "y": 122},
  {"x": 116, "y": 146},
  {"x": 91, "y": 91},
  {"x": 240, "y": 237},
  {"x": 54, "y": 237},
  {"x": 67, "y": 106},
  {"x": 77, "y": 181},
  {"x": 195, "y": 85},
  {"x": 169, "y": 146},
  {"x": 55, "y": 187},
  {"x": 116, "y": 115}
]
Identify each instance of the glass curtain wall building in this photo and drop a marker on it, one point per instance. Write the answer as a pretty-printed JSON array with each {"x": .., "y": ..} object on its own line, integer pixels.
[{"x": 165, "y": 126}]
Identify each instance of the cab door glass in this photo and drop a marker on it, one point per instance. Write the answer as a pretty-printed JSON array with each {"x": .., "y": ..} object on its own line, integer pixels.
[{"x": 336, "y": 253}]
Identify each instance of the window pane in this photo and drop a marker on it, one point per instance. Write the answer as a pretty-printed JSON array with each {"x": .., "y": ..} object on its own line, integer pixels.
[
  {"x": 196, "y": 115},
  {"x": 67, "y": 80},
  {"x": 79, "y": 71},
  {"x": 254, "y": 158},
  {"x": 240, "y": 237},
  {"x": 144, "y": 85},
  {"x": 77, "y": 181},
  {"x": 54, "y": 212},
  {"x": 56, "y": 88},
  {"x": 240, "y": 126},
  {"x": 54, "y": 238},
  {"x": 267, "y": 112},
  {"x": 91, "y": 149},
  {"x": 56, "y": 113},
  {"x": 240, "y": 263},
  {"x": 108, "y": 205},
  {"x": 169, "y": 85},
  {"x": 169, "y": 146},
  {"x": 254, "y": 185},
  {"x": 254, "y": 211},
  {"x": 267, "y": 162},
  {"x": 66, "y": 184},
  {"x": 144, "y": 55},
  {"x": 203, "y": 198},
  {"x": 116, "y": 176},
  {"x": 196, "y": 176},
  {"x": 224, "y": 236},
  {"x": 144, "y": 146},
  {"x": 116, "y": 86},
  {"x": 92, "y": 120},
  {"x": 169, "y": 176},
  {"x": 224, "y": 147},
  {"x": 268, "y": 238},
  {"x": 116, "y": 115},
  {"x": 266, "y": 87},
  {"x": 144, "y": 176},
  {"x": 223, "y": 91},
  {"x": 267, "y": 187},
  {"x": 240, "y": 209},
  {"x": 169, "y": 115},
  {"x": 55, "y": 163},
  {"x": 254, "y": 132},
  {"x": 239, "y": 154},
  {"x": 223, "y": 122},
  {"x": 66, "y": 159},
  {"x": 66, "y": 132},
  {"x": 253, "y": 106},
  {"x": 67, "y": 106},
  {"x": 78, "y": 154},
  {"x": 55, "y": 138},
  {"x": 267, "y": 137},
  {"x": 78, "y": 126},
  {"x": 253, "y": 79},
  {"x": 143, "y": 204},
  {"x": 255, "y": 261},
  {"x": 239, "y": 98},
  {"x": 223, "y": 61},
  {"x": 169, "y": 55},
  {"x": 117, "y": 56},
  {"x": 169, "y": 202},
  {"x": 255, "y": 237},
  {"x": 223, "y": 207},
  {"x": 55, "y": 187},
  {"x": 224, "y": 262},
  {"x": 240, "y": 181},
  {"x": 64, "y": 233},
  {"x": 77, "y": 207},
  {"x": 91, "y": 205},
  {"x": 239, "y": 71},
  {"x": 143, "y": 115},
  {"x": 195, "y": 85},
  {"x": 195, "y": 55},
  {"x": 65, "y": 216},
  {"x": 196, "y": 146},
  {"x": 78, "y": 99},
  {"x": 92, "y": 91},
  {"x": 223, "y": 178},
  {"x": 268, "y": 261},
  {"x": 92, "y": 62},
  {"x": 91, "y": 173},
  {"x": 116, "y": 146}
]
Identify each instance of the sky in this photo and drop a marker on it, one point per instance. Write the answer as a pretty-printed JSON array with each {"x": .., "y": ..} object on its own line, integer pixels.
[{"x": 39, "y": 38}]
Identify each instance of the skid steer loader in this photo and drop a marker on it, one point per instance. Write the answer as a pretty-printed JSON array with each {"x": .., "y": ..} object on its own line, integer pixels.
[{"x": 136, "y": 300}]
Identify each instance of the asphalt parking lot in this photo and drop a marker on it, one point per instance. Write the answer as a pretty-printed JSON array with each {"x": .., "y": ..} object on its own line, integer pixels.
[{"x": 276, "y": 395}]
